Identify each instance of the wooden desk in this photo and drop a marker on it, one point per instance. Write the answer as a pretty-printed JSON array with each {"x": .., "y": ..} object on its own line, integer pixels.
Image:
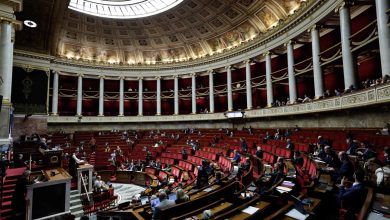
[
  {"x": 217, "y": 209},
  {"x": 201, "y": 193},
  {"x": 59, "y": 174},
  {"x": 261, "y": 205},
  {"x": 280, "y": 214}
]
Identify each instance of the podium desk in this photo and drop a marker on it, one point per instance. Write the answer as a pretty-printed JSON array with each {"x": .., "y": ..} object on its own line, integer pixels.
[
  {"x": 51, "y": 198},
  {"x": 85, "y": 171}
]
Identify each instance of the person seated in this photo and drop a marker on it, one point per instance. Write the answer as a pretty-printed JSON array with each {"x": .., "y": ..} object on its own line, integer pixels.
[
  {"x": 278, "y": 171},
  {"x": 259, "y": 152},
  {"x": 306, "y": 99},
  {"x": 244, "y": 167},
  {"x": 351, "y": 146},
  {"x": 346, "y": 168},
  {"x": 290, "y": 145},
  {"x": 383, "y": 173},
  {"x": 365, "y": 151},
  {"x": 167, "y": 168},
  {"x": 330, "y": 157},
  {"x": 298, "y": 159},
  {"x": 351, "y": 199},
  {"x": 207, "y": 214},
  {"x": 181, "y": 196},
  {"x": 19, "y": 161},
  {"x": 100, "y": 185},
  {"x": 237, "y": 157},
  {"x": 164, "y": 203},
  {"x": 92, "y": 144},
  {"x": 107, "y": 148}
]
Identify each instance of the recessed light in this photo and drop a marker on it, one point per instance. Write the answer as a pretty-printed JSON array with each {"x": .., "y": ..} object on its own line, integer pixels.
[{"x": 30, "y": 23}]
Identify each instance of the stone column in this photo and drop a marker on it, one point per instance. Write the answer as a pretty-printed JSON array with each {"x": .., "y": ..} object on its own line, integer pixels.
[
  {"x": 348, "y": 65},
  {"x": 158, "y": 96},
  {"x": 292, "y": 87},
  {"x": 317, "y": 71},
  {"x": 54, "y": 102},
  {"x": 176, "y": 95},
  {"x": 121, "y": 96},
  {"x": 268, "y": 78},
  {"x": 229, "y": 88},
  {"x": 79, "y": 95},
  {"x": 383, "y": 34},
  {"x": 8, "y": 26},
  {"x": 248, "y": 84},
  {"x": 101, "y": 96},
  {"x": 211, "y": 90},
  {"x": 140, "y": 97},
  {"x": 193, "y": 92}
]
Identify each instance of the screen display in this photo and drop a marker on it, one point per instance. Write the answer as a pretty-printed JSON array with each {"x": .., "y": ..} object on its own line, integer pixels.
[{"x": 234, "y": 114}]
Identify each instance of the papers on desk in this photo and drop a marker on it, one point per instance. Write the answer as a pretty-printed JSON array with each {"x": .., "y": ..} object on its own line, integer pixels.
[
  {"x": 293, "y": 213},
  {"x": 250, "y": 210},
  {"x": 283, "y": 189},
  {"x": 208, "y": 189}
]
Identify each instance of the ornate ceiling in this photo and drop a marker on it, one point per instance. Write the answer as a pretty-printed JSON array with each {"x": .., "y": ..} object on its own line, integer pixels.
[{"x": 193, "y": 29}]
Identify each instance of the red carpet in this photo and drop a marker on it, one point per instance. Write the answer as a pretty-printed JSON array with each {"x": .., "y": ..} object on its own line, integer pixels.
[{"x": 15, "y": 171}]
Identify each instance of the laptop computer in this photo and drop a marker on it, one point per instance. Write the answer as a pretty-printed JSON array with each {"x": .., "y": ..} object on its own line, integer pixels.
[{"x": 144, "y": 200}]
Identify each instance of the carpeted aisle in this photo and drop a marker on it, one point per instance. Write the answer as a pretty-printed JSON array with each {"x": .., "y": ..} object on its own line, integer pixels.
[{"x": 125, "y": 192}]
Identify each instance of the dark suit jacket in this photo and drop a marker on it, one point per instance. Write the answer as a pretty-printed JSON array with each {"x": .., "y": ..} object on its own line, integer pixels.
[
  {"x": 346, "y": 169},
  {"x": 162, "y": 205},
  {"x": 353, "y": 198}
]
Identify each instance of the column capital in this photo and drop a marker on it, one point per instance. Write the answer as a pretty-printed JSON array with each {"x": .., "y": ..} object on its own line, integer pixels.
[
  {"x": 175, "y": 76},
  {"x": 314, "y": 27},
  {"x": 80, "y": 74},
  {"x": 193, "y": 74},
  {"x": 228, "y": 67},
  {"x": 121, "y": 77},
  {"x": 157, "y": 77},
  {"x": 288, "y": 43},
  {"x": 140, "y": 78},
  {"x": 102, "y": 76},
  {"x": 18, "y": 25},
  {"x": 247, "y": 61},
  {"x": 267, "y": 53},
  {"x": 343, "y": 4},
  {"x": 210, "y": 71}
]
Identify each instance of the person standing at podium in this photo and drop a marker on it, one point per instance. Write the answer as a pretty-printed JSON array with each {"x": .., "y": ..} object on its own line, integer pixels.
[{"x": 74, "y": 164}]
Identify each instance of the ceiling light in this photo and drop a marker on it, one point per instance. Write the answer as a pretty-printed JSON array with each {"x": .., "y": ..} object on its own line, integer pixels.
[{"x": 30, "y": 23}]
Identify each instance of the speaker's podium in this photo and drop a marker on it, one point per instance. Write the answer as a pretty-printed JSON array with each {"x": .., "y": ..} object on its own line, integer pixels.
[
  {"x": 84, "y": 176},
  {"x": 50, "y": 198}
]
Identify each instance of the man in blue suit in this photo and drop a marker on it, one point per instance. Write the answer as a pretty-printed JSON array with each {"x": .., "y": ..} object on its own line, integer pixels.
[{"x": 352, "y": 199}]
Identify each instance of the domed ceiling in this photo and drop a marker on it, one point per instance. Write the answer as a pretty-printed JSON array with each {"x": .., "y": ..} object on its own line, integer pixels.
[{"x": 188, "y": 31}]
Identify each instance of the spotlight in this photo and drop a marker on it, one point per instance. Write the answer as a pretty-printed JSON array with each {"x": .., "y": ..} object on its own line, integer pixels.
[{"x": 30, "y": 23}]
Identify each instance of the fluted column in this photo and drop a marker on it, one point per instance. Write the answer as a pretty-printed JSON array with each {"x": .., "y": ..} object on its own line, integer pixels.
[
  {"x": 292, "y": 87},
  {"x": 158, "y": 96},
  {"x": 348, "y": 65},
  {"x": 211, "y": 90},
  {"x": 229, "y": 88},
  {"x": 317, "y": 71},
  {"x": 140, "y": 97},
  {"x": 383, "y": 34},
  {"x": 176, "y": 95},
  {"x": 268, "y": 78},
  {"x": 101, "y": 96},
  {"x": 248, "y": 84},
  {"x": 193, "y": 92},
  {"x": 121, "y": 96},
  {"x": 54, "y": 102},
  {"x": 6, "y": 59},
  {"x": 79, "y": 95}
]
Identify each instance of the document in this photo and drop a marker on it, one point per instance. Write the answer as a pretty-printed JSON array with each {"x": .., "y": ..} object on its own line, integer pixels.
[
  {"x": 293, "y": 213},
  {"x": 250, "y": 210}
]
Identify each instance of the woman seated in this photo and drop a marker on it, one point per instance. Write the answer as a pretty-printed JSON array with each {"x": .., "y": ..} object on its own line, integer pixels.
[{"x": 181, "y": 196}]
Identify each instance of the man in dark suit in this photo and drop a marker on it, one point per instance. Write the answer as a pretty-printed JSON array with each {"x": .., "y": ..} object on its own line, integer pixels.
[
  {"x": 298, "y": 159},
  {"x": 346, "y": 168},
  {"x": 352, "y": 198},
  {"x": 164, "y": 203}
]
